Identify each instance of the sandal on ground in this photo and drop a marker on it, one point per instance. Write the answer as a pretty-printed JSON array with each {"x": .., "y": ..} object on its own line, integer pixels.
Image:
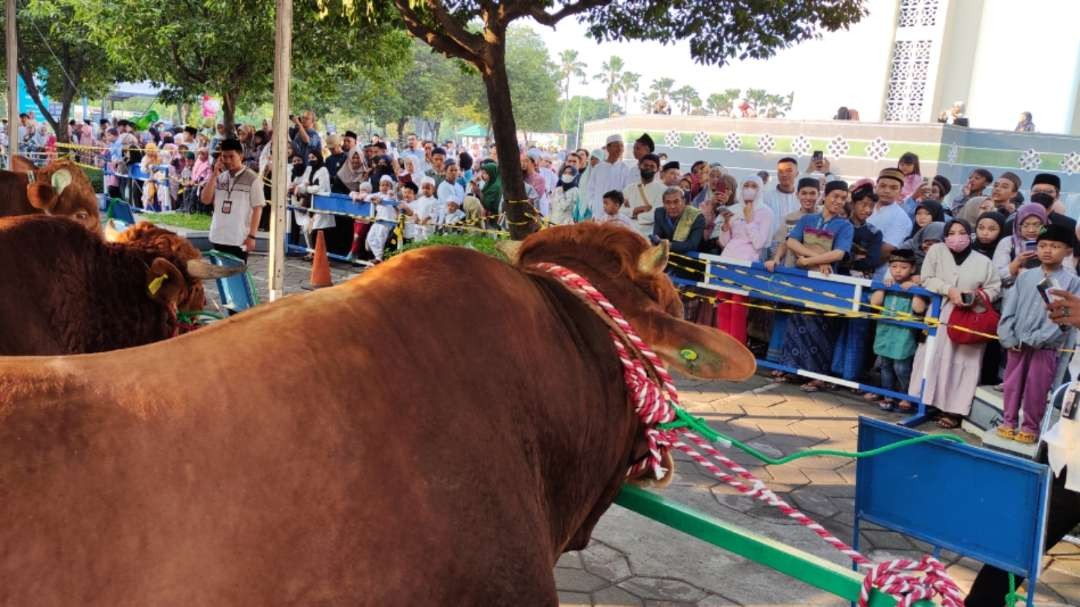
[
  {"x": 870, "y": 396},
  {"x": 309, "y": 257},
  {"x": 1027, "y": 438},
  {"x": 779, "y": 379},
  {"x": 886, "y": 404},
  {"x": 1006, "y": 432},
  {"x": 905, "y": 407},
  {"x": 776, "y": 374},
  {"x": 948, "y": 422},
  {"x": 813, "y": 386}
]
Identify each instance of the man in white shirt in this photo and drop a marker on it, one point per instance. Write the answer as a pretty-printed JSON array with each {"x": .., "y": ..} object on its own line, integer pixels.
[
  {"x": 414, "y": 151},
  {"x": 643, "y": 197},
  {"x": 237, "y": 196},
  {"x": 783, "y": 199},
  {"x": 642, "y": 145},
  {"x": 608, "y": 174},
  {"x": 889, "y": 217}
]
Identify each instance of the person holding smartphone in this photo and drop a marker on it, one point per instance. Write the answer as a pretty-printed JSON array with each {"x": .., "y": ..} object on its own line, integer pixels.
[
  {"x": 237, "y": 197},
  {"x": 1014, "y": 255},
  {"x": 952, "y": 269},
  {"x": 1063, "y": 508}
]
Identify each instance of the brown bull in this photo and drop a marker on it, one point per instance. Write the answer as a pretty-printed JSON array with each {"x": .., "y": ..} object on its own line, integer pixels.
[
  {"x": 468, "y": 425},
  {"x": 61, "y": 189},
  {"x": 66, "y": 291}
]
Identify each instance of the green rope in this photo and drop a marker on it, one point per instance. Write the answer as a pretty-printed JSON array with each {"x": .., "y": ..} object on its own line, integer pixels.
[
  {"x": 185, "y": 316},
  {"x": 1013, "y": 597},
  {"x": 685, "y": 420}
]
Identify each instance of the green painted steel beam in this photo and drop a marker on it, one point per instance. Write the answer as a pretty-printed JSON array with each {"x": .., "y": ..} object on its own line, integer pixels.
[{"x": 805, "y": 567}]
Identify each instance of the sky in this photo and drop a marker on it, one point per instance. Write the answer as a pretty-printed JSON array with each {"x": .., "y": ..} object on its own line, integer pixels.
[
  {"x": 801, "y": 68},
  {"x": 846, "y": 68}
]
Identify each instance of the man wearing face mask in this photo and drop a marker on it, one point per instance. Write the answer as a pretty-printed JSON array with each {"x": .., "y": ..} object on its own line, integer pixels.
[{"x": 645, "y": 195}]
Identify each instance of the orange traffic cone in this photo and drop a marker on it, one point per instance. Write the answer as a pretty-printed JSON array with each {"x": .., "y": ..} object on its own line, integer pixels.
[{"x": 320, "y": 265}]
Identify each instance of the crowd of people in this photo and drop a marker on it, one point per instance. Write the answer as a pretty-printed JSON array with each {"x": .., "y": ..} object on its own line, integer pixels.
[{"x": 985, "y": 248}]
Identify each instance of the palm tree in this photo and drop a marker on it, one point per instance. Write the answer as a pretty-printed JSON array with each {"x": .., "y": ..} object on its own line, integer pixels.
[
  {"x": 629, "y": 84},
  {"x": 687, "y": 98},
  {"x": 721, "y": 104},
  {"x": 662, "y": 87},
  {"x": 570, "y": 67},
  {"x": 648, "y": 101},
  {"x": 611, "y": 75}
]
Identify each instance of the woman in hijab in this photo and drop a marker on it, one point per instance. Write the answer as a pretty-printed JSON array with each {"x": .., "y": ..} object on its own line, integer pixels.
[
  {"x": 743, "y": 232},
  {"x": 1016, "y": 254},
  {"x": 955, "y": 271},
  {"x": 940, "y": 188},
  {"x": 490, "y": 190},
  {"x": 595, "y": 157},
  {"x": 383, "y": 166},
  {"x": 989, "y": 231},
  {"x": 351, "y": 173},
  {"x": 565, "y": 198},
  {"x": 315, "y": 180},
  {"x": 921, "y": 242},
  {"x": 927, "y": 212}
]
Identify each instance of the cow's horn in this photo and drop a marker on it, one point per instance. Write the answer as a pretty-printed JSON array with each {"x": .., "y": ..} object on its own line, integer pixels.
[
  {"x": 60, "y": 180},
  {"x": 112, "y": 233},
  {"x": 197, "y": 268},
  {"x": 509, "y": 248},
  {"x": 654, "y": 259}
]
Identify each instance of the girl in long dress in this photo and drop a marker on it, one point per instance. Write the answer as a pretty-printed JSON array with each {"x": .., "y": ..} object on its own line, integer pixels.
[{"x": 951, "y": 269}]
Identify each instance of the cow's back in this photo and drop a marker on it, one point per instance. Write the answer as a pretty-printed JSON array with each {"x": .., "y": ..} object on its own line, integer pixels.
[
  {"x": 13, "y": 198},
  {"x": 301, "y": 459}
]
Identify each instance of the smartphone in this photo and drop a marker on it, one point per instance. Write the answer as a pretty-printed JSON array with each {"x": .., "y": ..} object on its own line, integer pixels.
[
  {"x": 1043, "y": 287},
  {"x": 1030, "y": 245},
  {"x": 818, "y": 155},
  {"x": 967, "y": 298},
  {"x": 1068, "y": 404}
]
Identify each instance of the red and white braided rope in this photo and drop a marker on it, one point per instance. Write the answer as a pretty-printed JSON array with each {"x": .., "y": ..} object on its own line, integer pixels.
[{"x": 655, "y": 404}]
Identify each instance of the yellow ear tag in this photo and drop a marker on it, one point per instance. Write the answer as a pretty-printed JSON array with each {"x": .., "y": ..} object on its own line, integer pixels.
[
  {"x": 155, "y": 285},
  {"x": 688, "y": 355}
]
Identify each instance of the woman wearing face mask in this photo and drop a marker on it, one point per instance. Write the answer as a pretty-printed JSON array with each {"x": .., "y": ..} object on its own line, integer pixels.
[
  {"x": 955, "y": 271},
  {"x": 566, "y": 197},
  {"x": 314, "y": 180},
  {"x": 743, "y": 233}
]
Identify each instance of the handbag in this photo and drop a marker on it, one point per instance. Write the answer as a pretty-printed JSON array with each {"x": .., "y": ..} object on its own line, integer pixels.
[{"x": 971, "y": 318}]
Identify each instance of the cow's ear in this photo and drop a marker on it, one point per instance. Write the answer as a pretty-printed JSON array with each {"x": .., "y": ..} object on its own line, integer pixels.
[
  {"x": 510, "y": 249},
  {"x": 164, "y": 283},
  {"x": 698, "y": 350},
  {"x": 42, "y": 196}
]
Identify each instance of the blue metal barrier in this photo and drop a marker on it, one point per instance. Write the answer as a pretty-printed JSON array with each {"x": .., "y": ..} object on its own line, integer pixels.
[
  {"x": 236, "y": 292},
  {"x": 972, "y": 501},
  {"x": 795, "y": 288},
  {"x": 335, "y": 204}
]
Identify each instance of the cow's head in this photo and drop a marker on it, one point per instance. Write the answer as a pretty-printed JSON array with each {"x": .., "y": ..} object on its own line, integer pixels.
[
  {"x": 62, "y": 189},
  {"x": 631, "y": 274},
  {"x": 188, "y": 267}
]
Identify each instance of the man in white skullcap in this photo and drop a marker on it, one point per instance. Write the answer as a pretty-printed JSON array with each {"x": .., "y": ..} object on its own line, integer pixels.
[{"x": 609, "y": 174}]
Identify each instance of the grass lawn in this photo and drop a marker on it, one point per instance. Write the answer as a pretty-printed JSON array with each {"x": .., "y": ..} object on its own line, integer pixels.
[{"x": 179, "y": 220}]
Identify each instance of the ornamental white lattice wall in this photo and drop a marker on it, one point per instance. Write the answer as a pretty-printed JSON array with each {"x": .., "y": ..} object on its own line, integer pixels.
[{"x": 913, "y": 65}]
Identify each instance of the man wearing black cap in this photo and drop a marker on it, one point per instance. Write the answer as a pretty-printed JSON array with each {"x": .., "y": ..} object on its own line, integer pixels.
[
  {"x": 670, "y": 175},
  {"x": 889, "y": 217},
  {"x": 349, "y": 142},
  {"x": 645, "y": 195}
]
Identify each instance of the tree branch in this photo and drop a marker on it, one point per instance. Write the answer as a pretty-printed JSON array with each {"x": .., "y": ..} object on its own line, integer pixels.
[
  {"x": 439, "y": 42},
  {"x": 453, "y": 29},
  {"x": 175, "y": 51},
  {"x": 537, "y": 12}
]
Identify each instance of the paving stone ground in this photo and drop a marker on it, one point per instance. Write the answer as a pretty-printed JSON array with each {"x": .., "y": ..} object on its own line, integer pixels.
[{"x": 635, "y": 561}]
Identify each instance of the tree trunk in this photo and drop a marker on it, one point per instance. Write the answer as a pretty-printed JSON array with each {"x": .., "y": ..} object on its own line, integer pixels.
[
  {"x": 519, "y": 216},
  {"x": 228, "y": 109},
  {"x": 401, "y": 132}
]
